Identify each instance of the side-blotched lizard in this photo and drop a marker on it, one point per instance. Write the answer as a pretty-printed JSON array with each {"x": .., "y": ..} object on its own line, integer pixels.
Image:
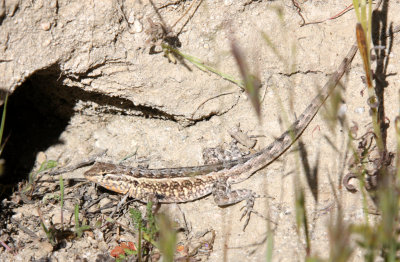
[{"x": 183, "y": 184}]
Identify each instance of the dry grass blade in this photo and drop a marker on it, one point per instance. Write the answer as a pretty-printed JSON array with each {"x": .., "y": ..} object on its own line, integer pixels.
[
  {"x": 363, "y": 47},
  {"x": 251, "y": 83},
  {"x": 301, "y": 214}
]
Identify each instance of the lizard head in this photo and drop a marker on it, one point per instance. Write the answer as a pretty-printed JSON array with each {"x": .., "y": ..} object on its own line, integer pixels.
[{"x": 108, "y": 176}]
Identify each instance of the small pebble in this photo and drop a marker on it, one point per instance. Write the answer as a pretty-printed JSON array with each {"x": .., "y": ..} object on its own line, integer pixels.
[
  {"x": 131, "y": 17},
  {"x": 106, "y": 205},
  {"x": 228, "y": 2},
  {"x": 342, "y": 110},
  {"x": 359, "y": 110},
  {"x": 41, "y": 157},
  {"x": 138, "y": 26},
  {"x": 104, "y": 202},
  {"x": 17, "y": 216},
  {"x": 98, "y": 234},
  {"x": 43, "y": 249},
  {"x": 45, "y": 26},
  {"x": 46, "y": 42},
  {"x": 56, "y": 218}
]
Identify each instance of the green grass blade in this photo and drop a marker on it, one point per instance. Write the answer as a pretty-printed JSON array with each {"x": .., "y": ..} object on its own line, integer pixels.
[{"x": 199, "y": 64}]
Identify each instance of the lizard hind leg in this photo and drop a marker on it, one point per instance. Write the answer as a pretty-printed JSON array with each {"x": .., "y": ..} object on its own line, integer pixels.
[{"x": 224, "y": 196}]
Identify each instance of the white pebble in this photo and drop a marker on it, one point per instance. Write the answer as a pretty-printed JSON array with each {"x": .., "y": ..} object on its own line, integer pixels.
[
  {"x": 359, "y": 110},
  {"x": 138, "y": 26},
  {"x": 131, "y": 17},
  {"x": 45, "y": 26},
  {"x": 342, "y": 110}
]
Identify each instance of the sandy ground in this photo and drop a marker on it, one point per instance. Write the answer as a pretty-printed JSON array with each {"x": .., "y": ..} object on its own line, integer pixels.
[{"x": 90, "y": 65}]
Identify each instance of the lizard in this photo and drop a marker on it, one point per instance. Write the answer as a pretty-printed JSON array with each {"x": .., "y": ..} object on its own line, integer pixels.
[{"x": 184, "y": 184}]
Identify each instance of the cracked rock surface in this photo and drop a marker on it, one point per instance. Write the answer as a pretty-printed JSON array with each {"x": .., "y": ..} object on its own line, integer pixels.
[{"x": 88, "y": 76}]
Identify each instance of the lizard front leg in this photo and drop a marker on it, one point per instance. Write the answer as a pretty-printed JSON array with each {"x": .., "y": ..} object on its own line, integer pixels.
[{"x": 224, "y": 196}]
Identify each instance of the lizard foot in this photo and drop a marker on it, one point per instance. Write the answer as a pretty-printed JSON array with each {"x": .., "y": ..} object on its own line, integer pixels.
[
  {"x": 248, "y": 209},
  {"x": 224, "y": 196}
]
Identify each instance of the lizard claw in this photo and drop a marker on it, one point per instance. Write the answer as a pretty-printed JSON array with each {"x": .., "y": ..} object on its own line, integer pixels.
[{"x": 249, "y": 209}]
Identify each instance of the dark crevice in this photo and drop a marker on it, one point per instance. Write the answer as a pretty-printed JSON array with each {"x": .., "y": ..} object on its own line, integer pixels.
[
  {"x": 121, "y": 106},
  {"x": 62, "y": 99},
  {"x": 30, "y": 129}
]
